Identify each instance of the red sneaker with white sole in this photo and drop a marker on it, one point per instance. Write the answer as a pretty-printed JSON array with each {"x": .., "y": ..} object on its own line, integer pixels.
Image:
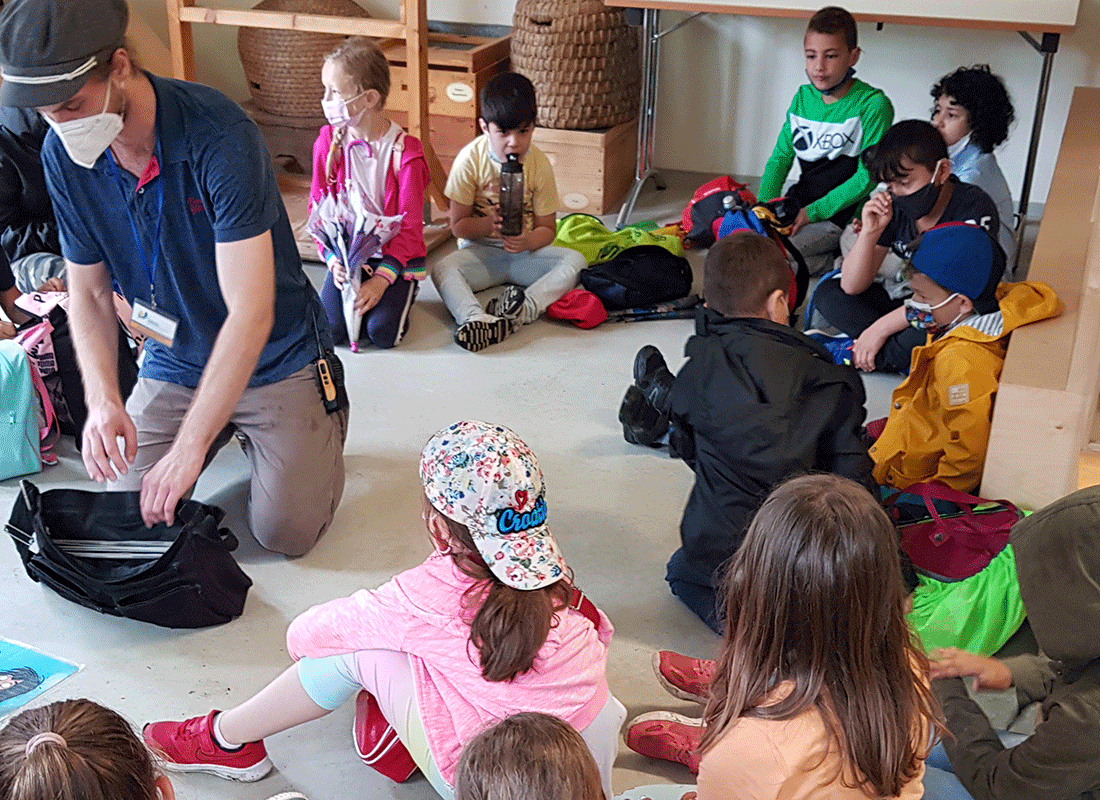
[
  {"x": 189, "y": 746},
  {"x": 377, "y": 743},
  {"x": 684, "y": 677},
  {"x": 666, "y": 736}
]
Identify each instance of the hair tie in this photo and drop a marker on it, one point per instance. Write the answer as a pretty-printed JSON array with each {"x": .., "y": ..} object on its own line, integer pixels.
[{"x": 42, "y": 738}]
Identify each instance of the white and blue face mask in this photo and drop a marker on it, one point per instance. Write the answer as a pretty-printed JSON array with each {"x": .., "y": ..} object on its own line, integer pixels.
[{"x": 919, "y": 315}]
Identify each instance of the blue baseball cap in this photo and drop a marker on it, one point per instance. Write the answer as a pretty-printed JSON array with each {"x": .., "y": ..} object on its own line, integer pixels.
[{"x": 959, "y": 257}]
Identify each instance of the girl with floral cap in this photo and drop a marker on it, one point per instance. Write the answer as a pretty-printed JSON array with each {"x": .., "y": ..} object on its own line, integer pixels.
[{"x": 488, "y": 626}]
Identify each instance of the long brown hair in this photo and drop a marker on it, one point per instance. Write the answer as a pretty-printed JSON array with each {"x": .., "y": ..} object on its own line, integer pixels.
[
  {"x": 363, "y": 61},
  {"x": 509, "y": 626},
  {"x": 528, "y": 756},
  {"x": 814, "y": 596},
  {"x": 101, "y": 758}
]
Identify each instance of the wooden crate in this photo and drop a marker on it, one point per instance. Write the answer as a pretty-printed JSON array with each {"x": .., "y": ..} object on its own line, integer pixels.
[
  {"x": 593, "y": 169},
  {"x": 458, "y": 66},
  {"x": 449, "y": 134}
]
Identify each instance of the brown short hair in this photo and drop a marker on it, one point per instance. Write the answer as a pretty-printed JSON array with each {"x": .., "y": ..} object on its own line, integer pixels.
[
  {"x": 741, "y": 271},
  {"x": 528, "y": 756},
  {"x": 102, "y": 758},
  {"x": 833, "y": 20}
]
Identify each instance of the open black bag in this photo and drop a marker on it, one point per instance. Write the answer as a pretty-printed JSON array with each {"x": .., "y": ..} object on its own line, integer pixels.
[{"x": 182, "y": 576}]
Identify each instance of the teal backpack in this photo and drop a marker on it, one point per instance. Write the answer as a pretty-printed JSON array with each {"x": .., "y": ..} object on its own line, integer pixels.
[{"x": 20, "y": 435}]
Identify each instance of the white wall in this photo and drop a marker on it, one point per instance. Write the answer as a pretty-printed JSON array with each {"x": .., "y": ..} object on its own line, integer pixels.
[{"x": 726, "y": 81}]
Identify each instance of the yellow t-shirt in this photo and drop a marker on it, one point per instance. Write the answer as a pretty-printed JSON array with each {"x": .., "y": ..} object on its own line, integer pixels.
[{"x": 475, "y": 181}]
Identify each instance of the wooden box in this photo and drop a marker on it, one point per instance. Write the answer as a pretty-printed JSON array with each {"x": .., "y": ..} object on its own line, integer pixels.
[
  {"x": 458, "y": 66},
  {"x": 593, "y": 169}
]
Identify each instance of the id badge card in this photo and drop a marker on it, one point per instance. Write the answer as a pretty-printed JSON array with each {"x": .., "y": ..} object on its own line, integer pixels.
[{"x": 154, "y": 323}]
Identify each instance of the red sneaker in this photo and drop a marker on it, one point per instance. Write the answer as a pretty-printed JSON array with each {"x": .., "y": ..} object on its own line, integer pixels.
[
  {"x": 189, "y": 746},
  {"x": 666, "y": 736},
  {"x": 377, "y": 743},
  {"x": 684, "y": 677}
]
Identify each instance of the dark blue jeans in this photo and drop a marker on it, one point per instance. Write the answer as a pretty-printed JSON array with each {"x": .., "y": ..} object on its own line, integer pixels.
[
  {"x": 384, "y": 325},
  {"x": 695, "y": 590}
]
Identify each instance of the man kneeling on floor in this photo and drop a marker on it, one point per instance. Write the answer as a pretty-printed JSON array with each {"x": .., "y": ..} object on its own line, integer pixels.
[{"x": 756, "y": 403}]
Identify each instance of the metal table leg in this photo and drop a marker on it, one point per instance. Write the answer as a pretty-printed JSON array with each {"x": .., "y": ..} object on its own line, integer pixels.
[
  {"x": 651, "y": 40},
  {"x": 1048, "y": 47}
]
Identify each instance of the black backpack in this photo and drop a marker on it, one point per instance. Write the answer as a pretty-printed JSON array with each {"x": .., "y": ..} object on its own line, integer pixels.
[{"x": 639, "y": 276}]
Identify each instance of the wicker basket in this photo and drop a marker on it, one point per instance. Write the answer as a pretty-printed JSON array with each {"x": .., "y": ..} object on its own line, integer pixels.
[
  {"x": 283, "y": 68},
  {"x": 582, "y": 58}
]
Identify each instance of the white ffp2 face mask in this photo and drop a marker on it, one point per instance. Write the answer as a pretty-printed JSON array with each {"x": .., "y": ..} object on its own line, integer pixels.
[{"x": 86, "y": 138}]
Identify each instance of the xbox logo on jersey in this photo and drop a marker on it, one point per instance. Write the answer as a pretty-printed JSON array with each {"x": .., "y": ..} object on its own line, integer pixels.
[{"x": 802, "y": 138}]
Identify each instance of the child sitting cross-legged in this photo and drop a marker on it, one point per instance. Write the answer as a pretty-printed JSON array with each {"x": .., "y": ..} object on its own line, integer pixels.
[
  {"x": 820, "y": 690},
  {"x": 489, "y": 625},
  {"x": 941, "y": 415},
  {"x": 756, "y": 403},
  {"x": 534, "y": 274}
]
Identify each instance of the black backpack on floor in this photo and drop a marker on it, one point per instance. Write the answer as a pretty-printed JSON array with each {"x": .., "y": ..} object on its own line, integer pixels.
[{"x": 639, "y": 276}]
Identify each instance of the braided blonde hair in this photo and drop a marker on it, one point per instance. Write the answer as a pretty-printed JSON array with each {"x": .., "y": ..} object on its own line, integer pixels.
[{"x": 364, "y": 62}]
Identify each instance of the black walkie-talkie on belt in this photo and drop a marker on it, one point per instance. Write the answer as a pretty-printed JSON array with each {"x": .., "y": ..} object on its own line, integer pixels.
[{"x": 330, "y": 375}]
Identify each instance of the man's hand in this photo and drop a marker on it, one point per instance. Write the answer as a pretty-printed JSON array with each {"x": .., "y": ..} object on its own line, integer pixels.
[
  {"x": 988, "y": 673},
  {"x": 102, "y": 457},
  {"x": 800, "y": 222},
  {"x": 7, "y": 330},
  {"x": 865, "y": 349},
  {"x": 877, "y": 213},
  {"x": 168, "y": 481},
  {"x": 370, "y": 292}
]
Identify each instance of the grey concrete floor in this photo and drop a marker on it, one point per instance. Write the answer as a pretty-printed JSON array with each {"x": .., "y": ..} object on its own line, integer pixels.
[{"x": 614, "y": 508}]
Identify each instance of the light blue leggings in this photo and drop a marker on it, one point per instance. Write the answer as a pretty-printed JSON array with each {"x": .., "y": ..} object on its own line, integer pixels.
[
  {"x": 940, "y": 782},
  {"x": 387, "y": 674}
]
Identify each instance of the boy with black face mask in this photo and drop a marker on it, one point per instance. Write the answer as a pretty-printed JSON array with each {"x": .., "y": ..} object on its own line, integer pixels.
[{"x": 921, "y": 192}]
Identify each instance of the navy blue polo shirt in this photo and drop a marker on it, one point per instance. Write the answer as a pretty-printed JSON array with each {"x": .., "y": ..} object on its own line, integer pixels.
[{"x": 218, "y": 186}]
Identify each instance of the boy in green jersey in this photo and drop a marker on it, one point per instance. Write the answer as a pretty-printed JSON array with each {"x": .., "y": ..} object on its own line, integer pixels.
[{"x": 831, "y": 120}]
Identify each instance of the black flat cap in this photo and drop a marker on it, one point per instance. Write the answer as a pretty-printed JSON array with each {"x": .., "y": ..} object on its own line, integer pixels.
[{"x": 49, "y": 47}]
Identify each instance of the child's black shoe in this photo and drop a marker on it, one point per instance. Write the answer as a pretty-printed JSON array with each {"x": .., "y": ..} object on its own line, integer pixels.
[
  {"x": 642, "y": 423},
  {"x": 652, "y": 377}
]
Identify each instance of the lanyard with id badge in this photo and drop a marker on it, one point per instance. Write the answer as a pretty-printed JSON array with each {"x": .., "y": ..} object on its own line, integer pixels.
[{"x": 147, "y": 319}]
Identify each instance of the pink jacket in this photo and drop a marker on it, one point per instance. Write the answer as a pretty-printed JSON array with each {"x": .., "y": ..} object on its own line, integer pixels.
[
  {"x": 404, "y": 254},
  {"x": 418, "y": 612}
]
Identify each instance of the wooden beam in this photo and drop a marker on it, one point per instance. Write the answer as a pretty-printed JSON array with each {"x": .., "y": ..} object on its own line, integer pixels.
[
  {"x": 180, "y": 42},
  {"x": 288, "y": 21}
]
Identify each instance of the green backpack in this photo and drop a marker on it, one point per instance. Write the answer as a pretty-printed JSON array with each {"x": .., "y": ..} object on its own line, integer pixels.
[{"x": 978, "y": 614}]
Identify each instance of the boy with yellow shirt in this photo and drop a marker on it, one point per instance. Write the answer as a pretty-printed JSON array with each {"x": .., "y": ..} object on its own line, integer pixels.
[{"x": 534, "y": 274}]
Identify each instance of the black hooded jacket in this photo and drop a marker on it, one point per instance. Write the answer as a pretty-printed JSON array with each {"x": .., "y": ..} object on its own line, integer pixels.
[
  {"x": 27, "y": 223},
  {"x": 757, "y": 403}
]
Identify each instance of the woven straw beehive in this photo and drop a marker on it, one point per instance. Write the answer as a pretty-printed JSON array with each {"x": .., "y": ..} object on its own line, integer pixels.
[
  {"x": 583, "y": 60},
  {"x": 283, "y": 68}
]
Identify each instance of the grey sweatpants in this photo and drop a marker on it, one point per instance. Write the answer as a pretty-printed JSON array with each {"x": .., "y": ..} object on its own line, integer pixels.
[{"x": 295, "y": 449}]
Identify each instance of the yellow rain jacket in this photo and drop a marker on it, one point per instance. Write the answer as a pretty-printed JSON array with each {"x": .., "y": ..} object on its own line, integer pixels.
[{"x": 941, "y": 414}]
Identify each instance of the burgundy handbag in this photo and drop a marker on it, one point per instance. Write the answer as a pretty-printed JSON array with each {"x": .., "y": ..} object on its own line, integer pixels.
[{"x": 953, "y": 547}]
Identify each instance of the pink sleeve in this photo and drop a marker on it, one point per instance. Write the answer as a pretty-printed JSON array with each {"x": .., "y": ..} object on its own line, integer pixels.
[
  {"x": 365, "y": 620},
  {"x": 317, "y": 187},
  {"x": 407, "y": 247}
]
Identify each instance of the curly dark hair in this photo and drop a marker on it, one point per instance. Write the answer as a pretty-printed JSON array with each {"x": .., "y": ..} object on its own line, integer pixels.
[{"x": 985, "y": 99}]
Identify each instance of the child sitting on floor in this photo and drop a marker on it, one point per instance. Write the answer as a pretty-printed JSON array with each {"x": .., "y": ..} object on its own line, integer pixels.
[
  {"x": 973, "y": 111},
  {"x": 1058, "y": 554},
  {"x": 489, "y": 625},
  {"x": 369, "y": 165},
  {"x": 533, "y": 272},
  {"x": 922, "y": 192},
  {"x": 831, "y": 120},
  {"x": 940, "y": 416},
  {"x": 77, "y": 750},
  {"x": 820, "y": 689},
  {"x": 528, "y": 756},
  {"x": 756, "y": 403}
]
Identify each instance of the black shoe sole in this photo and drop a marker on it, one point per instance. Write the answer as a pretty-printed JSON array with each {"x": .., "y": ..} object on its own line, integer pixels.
[
  {"x": 653, "y": 377},
  {"x": 479, "y": 334},
  {"x": 632, "y": 414}
]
